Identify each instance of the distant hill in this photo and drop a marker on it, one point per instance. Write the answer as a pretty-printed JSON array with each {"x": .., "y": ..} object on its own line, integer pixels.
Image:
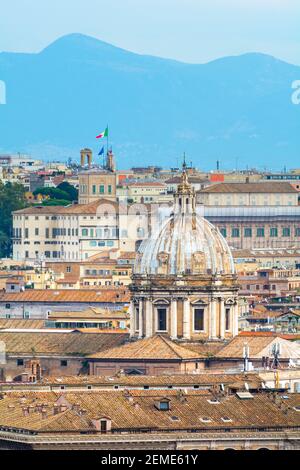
[{"x": 236, "y": 109}]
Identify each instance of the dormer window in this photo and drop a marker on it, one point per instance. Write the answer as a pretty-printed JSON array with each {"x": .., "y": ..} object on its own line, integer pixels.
[
  {"x": 163, "y": 404},
  {"x": 214, "y": 401},
  {"x": 226, "y": 419},
  {"x": 205, "y": 419}
]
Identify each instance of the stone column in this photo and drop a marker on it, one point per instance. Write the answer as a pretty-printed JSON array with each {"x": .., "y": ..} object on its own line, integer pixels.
[
  {"x": 132, "y": 314},
  {"x": 235, "y": 319},
  {"x": 149, "y": 318},
  {"x": 213, "y": 319},
  {"x": 186, "y": 319},
  {"x": 222, "y": 319},
  {"x": 173, "y": 319},
  {"x": 141, "y": 332}
]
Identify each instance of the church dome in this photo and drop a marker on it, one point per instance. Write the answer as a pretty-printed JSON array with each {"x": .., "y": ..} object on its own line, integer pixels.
[{"x": 185, "y": 244}]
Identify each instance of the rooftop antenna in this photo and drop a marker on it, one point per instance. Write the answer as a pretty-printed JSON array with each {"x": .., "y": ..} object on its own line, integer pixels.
[
  {"x": 218, "y": 165},
  {"x": 275, "y": 351},
  {"x": 246, "y": 354}
]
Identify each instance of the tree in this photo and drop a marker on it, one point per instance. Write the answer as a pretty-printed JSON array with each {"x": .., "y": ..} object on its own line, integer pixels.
[
  {"x": 12, "y": 198},
  {"x": 56, "y": 202},
  {"x": 53, "y": 193},
  {"x": 63, "y": 191},
  {"x": 69, "y": 189}
]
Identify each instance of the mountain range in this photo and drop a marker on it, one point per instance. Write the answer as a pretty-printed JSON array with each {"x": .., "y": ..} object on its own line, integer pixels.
[{"x": 237, "y": 110}]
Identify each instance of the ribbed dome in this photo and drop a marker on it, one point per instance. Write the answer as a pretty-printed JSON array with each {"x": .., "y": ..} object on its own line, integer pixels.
[
  {"x": 181, "y": 248},
  {"x": 185, "y": 244}
]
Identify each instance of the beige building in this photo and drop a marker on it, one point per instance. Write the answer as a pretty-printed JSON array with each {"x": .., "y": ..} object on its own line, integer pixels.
[
  {"x": 144, "y": 192},
  {"x": 249, "y": 194},
  {"x": 95, "y": 182},
  {"x": 77, "y": 232},
  {"x": 266, "y": 228}
]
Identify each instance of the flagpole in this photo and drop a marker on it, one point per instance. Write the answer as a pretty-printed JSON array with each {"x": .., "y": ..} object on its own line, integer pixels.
[{"x": 107, "y": 138}]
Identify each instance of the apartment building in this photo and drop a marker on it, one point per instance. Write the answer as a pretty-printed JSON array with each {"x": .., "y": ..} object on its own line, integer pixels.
[
  {"x": 269, "y": 282},
  {"x": 38, "y": 304},
  {"x": 78, "y": 231},
  {"x": 257, "y": 227},
  {"x": 249, "y": 194}
]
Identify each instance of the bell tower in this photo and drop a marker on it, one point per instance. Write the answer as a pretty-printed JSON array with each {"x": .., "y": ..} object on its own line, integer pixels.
[{"x": 86, "y": 154}]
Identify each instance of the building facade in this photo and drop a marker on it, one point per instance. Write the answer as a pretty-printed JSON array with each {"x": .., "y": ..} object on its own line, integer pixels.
[{"x": 184, "y": 282}]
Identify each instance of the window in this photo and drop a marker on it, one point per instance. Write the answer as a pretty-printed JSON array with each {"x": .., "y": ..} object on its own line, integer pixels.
[
  {"x": 223, "y": 232},
  {"x": 225, "y": 419},
  {"x": 103, "y": 426},
  {"x": 260, "y": 232},
  {"x": 273, "y": 232},
  {"x": 235, "y": 233},
  {"x": 286, "y": 232},
  {"x": 101, "y": 189},
  {"x": 84, "y": 232},
  {"x": 198, "y": 319},
  {"x": 69, "y": 269},
  {"x": 297, "y": 232},
  {"x": 7, "y": 305},
  {"x": 26, "y": 233},
  {"x": 163, "y": 405},
  {"x": 227, "y": 319},
  {"x": 162, "y": 319},
  {"x": 137, "y": 319},
  {"x": 248, "y": 232},
  {"x": 36, "y": 231},
  {"x": 205, "y": 420},
  {"x": 109, "y": 189},
  {"x": 63, "y": 363},
  {"x": 20, "y": 362},
  {"x": 94, "y": 189}
]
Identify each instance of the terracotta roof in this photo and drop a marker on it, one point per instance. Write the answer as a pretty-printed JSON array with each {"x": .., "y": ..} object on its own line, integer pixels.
[
  {"x": 291, "y": 336},
  {"x": 21, "y": 324},
  {"x": 127, "y": 255},
  {"x": 259, "y": 347},
  {"x": 147, "y": 184},
  {"x": 73, "y": 343},
  {"x": 204, "y": 349},
  {"x": 192, "y": 179},
  {"x": 69, "y": 295},
  {"x": 205, "y": 379},
  {"x": 90, "y": 208},
  {"x": 250, "y": 188},
  {"x": 153, "y": 348},
  {"x": 136, "y": 411},
  {"x": 89, "y": 314},
  {"x": 266, "y": 253}
]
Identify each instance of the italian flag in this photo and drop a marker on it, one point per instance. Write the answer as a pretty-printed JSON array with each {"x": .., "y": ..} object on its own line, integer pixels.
[{"x": 103, "y": 134}]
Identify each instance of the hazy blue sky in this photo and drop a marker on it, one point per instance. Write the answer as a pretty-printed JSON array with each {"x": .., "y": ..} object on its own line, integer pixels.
[{"x": 188, "y": 30}]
